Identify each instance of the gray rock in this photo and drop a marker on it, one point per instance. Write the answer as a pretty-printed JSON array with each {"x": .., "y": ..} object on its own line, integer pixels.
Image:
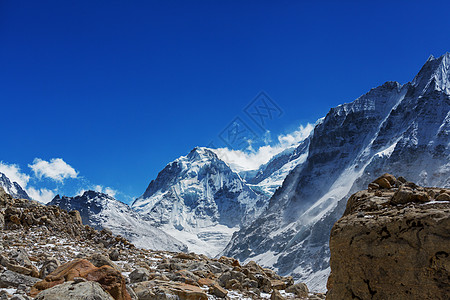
[
  {"x": 139, "y": 275},
  {"x": 114, "y": 255},
  {"x": 99, "y": 260},
  {"x": 49, "y": 266},
  {"x": 75, "y": 291},
  {"x": 12, "y": 279}
]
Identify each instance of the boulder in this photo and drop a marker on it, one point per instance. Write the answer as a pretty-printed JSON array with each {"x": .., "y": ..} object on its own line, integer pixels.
[
  {"x": 399, "y": 249},
  {"x": 114, "y": 255},
  {"x": 110, "y": 279},
  {"x": 48, "y": 267},
  {"x": 139, "y": 275},
  {"x": 100, "y": 260},
  {"x": 168, "y": 290},
  {"x": 299, "y": 289},
  {"x": 276, "y": 295},
  {"x": 12, "y": 279},
  {"x": 443, "y": 197},
  {"x": 75, "y": 291},
  {"x": 406, "y": 194},
  {"x": 218, "y": 291}
]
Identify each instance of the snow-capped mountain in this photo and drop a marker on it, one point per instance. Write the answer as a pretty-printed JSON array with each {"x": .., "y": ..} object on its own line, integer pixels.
[
  {"x": 13, "y": 188},
  {"x": 400, "y": 129},
  {"x": 270, "y": 176},
  {"x": 103, "y": 211},
  {"x": 199, "y": 200}
]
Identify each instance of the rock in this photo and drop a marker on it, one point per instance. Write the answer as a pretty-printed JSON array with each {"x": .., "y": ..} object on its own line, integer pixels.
[
  {"x": 19, "y": 263},
  {"x": 139, "y": 275},
  {"x": 132, "y": 293},
  {"x": 218, "y": 291},
  {"x": 386, "y": 181},
  {"x": 114, "y": 255},
  {"x": 276, "y": 295},
  {"x": 110, "y": 279},
  {"x": 168, "y": 290},
  {"x": 75, "y": 291},
  {"x": 443, "y": 197},
  {"x": 394, "y": 252},
  {"x": 277, "y": 284},
  {"x": 299, "y": 289},
  {"x": 383, "y": 183},
  {"x": 12, "y": 279},
  {"x": 76, "y": 216},
  {"x": 18, "y": 297},
  {"x": 407, "y": 194},
  {"x": 48, "y": 267},
  {"x": 100, "y": 260}
]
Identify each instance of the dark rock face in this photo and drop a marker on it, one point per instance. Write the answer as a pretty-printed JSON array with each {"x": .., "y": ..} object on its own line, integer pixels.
[{"x": 383, "y": 248}]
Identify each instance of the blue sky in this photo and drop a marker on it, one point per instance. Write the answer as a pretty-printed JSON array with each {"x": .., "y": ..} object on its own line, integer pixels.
[{"x": 117, "y": 89}]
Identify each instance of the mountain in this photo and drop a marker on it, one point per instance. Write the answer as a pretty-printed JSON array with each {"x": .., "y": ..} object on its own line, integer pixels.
[
  {"x": 400, "y": 129},
  {"x": 13, "y": 188},
  {"x": 270, "y": 176},
  {"x": 103, "y": 211},
  {"x": 199, "y": 200}
]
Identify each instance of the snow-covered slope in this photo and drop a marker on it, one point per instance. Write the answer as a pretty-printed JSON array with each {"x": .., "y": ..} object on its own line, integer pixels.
[
  {"x": 12, "y": 188},
  {"x": 271, "y": 175},
  {"x": 199, "y": 200},
  {"x": 103, "y": 211},
  {"x": 400, "y": 129}
]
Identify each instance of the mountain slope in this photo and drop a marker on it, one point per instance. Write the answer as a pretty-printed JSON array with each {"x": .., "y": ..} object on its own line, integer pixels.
[
  {"x": 199, "y": 200},
  {"x": 103, "y": 211},
  {"x": 13, "y": 188},
  {"x": 393, "y": 128}
]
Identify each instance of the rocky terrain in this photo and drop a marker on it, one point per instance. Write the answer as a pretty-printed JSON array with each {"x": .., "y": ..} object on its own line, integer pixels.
[
  {"x": 47, "y": 253},
  {"x": 392, "y": 242}
]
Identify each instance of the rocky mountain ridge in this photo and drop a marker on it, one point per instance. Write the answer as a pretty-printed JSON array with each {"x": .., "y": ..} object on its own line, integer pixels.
[{"x": 101, "y": 211}]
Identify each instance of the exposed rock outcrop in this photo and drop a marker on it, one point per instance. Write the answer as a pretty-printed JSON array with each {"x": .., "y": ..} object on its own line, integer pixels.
[{"x": 393, "y": 242}]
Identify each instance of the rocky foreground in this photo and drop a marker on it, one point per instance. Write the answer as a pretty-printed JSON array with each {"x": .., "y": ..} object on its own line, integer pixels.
[
  {"x": 47, "y": 253},
  {"x": 393, "y": 242}
]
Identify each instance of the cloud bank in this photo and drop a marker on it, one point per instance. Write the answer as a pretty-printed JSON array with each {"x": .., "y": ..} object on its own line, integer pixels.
[
  {"x": 56, "y": 169},
  {"x": 252, "y": 159}
]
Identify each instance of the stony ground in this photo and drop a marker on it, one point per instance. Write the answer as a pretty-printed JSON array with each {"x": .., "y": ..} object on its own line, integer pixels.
[{"x": 46, "y": 253}]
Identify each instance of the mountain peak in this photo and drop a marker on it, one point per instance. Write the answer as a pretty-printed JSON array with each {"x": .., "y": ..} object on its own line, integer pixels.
[
  {"x": 434, "y": 75},
  {"x": 201, "y": 153}
]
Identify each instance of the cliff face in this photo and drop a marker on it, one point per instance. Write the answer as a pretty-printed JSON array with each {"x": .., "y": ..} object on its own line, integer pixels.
[{"x": 393, "y": 242}]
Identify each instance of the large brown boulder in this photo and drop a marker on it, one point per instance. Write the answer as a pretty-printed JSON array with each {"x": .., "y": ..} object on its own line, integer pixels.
[
  {"x": 110, "y": 279},
  {"x": 391, "y": 244}
]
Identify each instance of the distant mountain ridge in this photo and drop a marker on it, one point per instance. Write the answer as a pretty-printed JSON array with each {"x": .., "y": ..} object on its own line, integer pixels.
[
  {"x": 13, "y": 188},
  {"x": 101, "y": 211},
  {"x": 400, "y": 129}
]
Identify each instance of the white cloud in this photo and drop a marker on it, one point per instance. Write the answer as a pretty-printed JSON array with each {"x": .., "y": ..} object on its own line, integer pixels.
[
  {"x": 106, "y": 190},
  {"x": 56, "y": 169},
  {"x": 41, "y": 195},
  {"x": 14, "y": 174},
  {"x": 251, "y": 159}
]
